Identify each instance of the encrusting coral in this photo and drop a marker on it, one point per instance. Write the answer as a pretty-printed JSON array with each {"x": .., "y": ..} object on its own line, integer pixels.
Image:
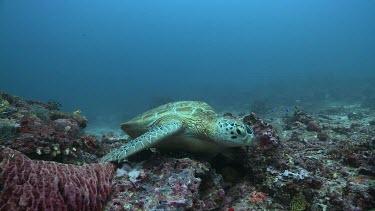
[{"x": 166, "y": 183}]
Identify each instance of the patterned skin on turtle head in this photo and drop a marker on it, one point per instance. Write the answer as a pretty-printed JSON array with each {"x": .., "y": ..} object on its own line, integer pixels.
[{"x": 233, "y": 133}]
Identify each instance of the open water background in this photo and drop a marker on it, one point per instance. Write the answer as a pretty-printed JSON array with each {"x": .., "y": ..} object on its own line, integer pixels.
[{"x": 114, "y": 59}]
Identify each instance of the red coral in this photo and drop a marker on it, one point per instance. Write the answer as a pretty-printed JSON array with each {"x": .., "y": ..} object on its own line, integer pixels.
[
  {"x": 44, "y": 185},
  {"x": 25, "y": 127}
]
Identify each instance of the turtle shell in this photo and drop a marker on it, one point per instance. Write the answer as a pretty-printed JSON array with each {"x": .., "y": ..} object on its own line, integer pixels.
[{"x": 186, "y": 111}]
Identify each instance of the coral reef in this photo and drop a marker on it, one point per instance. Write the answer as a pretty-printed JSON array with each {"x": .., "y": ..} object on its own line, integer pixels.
[
  {"x": 312, "y": 165},
  {"x": 42, "y": 132},
  {"x": 320, "y": 158},
  {"x": 316, "y": 163},
  {"x": 8, "y": 129},
  {"x": 326, "y": 161},
  {"x": 41, "y": 185},
  {"x": 165, "y": 183}
]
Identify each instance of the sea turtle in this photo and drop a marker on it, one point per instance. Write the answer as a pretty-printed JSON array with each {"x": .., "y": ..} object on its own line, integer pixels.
[{"x": 191, "y": 126}]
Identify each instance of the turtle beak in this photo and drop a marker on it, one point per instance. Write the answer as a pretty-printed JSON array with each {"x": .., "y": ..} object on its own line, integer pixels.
[{"x": 249, "y": 139}]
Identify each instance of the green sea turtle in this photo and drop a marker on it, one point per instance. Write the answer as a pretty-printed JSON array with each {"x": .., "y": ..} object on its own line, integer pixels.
[{"x": 187, "y": 126}]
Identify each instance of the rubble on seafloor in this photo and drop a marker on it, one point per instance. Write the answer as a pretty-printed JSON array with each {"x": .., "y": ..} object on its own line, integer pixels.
[{"x": 307, "y": 160}]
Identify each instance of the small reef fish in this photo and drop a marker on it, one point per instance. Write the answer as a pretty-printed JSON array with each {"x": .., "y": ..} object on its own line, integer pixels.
[
  {"x": 3, "y": 105},
  {"x": 287, "y": 110},
  {"x": 77, "y": 112}
]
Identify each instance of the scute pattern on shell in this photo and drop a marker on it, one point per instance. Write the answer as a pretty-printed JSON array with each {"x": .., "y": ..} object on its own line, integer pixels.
[
  {"x": 192, "y": 114},
  {"x": 181, "y": 110}
]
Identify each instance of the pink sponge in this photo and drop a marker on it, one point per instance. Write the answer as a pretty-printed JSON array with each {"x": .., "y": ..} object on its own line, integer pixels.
[{"x": 26, "y": 184}]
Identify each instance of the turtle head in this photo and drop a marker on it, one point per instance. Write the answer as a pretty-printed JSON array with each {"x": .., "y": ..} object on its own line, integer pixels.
[{"x": 232, "y": 132}]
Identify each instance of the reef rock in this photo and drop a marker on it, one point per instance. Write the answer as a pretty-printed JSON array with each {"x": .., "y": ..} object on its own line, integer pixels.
[{"x": 164, "y": 183}]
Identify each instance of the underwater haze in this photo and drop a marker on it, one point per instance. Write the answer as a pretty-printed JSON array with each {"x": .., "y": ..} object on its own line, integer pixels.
[{"x": 115, "y": 59}]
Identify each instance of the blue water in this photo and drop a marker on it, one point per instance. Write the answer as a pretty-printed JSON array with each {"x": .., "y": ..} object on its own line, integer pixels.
[{"x": 113, "y": 57}]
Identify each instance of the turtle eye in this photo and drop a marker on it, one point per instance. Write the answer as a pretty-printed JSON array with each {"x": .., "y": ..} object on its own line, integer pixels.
[{"x": 249, "y": 129}]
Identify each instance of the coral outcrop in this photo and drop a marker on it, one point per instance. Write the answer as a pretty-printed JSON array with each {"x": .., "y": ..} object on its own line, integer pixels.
[
  {"x": 325, "y": 161},
  {"x": 41, "y": 131},
  {"x": 165, "y": 183}
]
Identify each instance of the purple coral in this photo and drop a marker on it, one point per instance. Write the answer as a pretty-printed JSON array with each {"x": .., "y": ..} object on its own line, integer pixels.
[{"x": 44, "y": 185}]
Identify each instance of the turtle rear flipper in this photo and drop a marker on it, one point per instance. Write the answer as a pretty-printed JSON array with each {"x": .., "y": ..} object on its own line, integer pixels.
[{"x": 143, "y": 142}]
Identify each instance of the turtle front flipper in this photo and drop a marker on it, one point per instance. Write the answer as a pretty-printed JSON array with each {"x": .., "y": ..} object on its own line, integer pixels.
[{"x": 144, "y": 141}]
